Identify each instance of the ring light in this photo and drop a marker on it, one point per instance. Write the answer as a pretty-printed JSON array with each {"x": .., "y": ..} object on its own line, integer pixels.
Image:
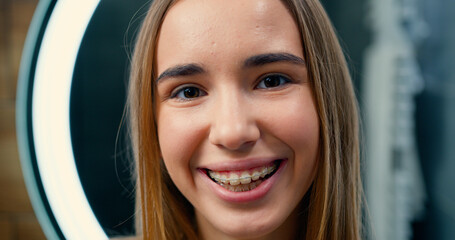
[
  {"x": 43, "y": 119},
  {"x": 50, "y": 119}
]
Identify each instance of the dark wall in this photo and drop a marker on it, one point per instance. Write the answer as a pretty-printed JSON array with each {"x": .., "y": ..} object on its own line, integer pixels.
[{"x": 97, "y": 103}]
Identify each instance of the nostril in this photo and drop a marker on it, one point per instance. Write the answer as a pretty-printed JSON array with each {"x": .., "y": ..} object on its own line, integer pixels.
[
  {"x": 234, "y": 136},
  {"x": 234, "y": 141}
]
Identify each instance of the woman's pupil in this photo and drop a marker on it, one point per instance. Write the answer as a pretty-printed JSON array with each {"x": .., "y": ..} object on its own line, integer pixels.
[
  {"x": 191, "y": 92},
  {"x": 272, "y": 81}
]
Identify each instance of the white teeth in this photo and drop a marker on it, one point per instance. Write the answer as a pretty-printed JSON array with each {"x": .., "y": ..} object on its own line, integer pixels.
[
  {"x": 263, "y": 172},
  {"x": 214, "y": 175},
  {"x": 242, "y": 188},
  {"x": 271, "y": 168},
  {"x": 245, "y": 177},
  {"x": 223, "y": 179},
  {"x": 234, "y": 179},
  {"x": 234, "y": 182},
  {"x": 255, "y": 176}
]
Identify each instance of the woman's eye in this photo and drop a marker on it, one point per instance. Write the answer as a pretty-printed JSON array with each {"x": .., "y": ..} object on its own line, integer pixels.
[
  {"x": 273, "y": 81},
  {"x": 188, "y": 93}
]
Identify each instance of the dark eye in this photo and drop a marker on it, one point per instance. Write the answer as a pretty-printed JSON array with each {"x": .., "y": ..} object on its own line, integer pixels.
[
  {"x": 273, "y": 81},
  {"x": 188, "y": 93}
]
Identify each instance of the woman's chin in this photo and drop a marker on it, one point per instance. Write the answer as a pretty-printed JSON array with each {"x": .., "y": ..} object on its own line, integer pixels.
[
  {"x": 247, "y": 230},
  {"x": 245, "y": 227}
]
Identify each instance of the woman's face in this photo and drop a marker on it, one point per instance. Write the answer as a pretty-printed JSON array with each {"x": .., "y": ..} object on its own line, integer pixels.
[{"x": 237, "y": 122}]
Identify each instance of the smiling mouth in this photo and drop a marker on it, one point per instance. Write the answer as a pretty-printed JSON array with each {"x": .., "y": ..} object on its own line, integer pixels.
[{"x": 244, "y": 180}]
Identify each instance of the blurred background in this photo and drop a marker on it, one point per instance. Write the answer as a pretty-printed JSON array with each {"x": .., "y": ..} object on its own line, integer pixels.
[
  {"x": 401, "y": 58},
  {"x": 17, "y": 220}
]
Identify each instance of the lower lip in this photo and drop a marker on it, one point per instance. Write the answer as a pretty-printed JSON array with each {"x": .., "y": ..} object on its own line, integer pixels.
[{"x": 247, "y": 196}]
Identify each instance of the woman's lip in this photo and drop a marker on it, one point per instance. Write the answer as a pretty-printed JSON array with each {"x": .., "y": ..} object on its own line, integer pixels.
[
  {"x": 239, "y": 165},
  {"x": 247, "y": 196}
]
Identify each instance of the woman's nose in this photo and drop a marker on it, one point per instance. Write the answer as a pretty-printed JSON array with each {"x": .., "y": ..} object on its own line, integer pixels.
[{"x": 233, "y": 126}]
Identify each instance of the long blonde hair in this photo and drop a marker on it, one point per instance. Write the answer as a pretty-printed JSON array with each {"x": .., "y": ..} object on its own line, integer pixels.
[{"x": 334, "y": 207}]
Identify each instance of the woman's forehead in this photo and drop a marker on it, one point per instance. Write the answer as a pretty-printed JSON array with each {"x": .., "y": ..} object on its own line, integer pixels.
[
  {"x": 199, "y": 30},
  {"x": 217, "y": 11}
]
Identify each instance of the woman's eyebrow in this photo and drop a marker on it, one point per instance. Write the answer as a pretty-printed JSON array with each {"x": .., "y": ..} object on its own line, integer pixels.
[
  {"x": 262, "y": 59},
  {"x": 253, "y": 61},
  {"x": 181, "y": 70}
]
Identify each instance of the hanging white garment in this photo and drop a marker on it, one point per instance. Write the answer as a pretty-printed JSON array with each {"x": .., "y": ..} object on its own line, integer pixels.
[{"x": 394, "y": 184}]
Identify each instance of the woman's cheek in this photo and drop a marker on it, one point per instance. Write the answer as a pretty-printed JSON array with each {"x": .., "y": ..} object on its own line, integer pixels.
[
  {"x": 294, "y": 119},
  {"x": 177, "y": 137}
]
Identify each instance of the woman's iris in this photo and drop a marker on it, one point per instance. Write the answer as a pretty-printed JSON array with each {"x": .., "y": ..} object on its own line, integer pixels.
[
  {"x": 191, "y": 92},
  {"x": 273, "y": 81}
]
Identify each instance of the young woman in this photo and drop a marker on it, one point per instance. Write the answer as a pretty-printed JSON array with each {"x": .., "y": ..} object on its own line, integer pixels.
[{"x": 244, "y": 123}]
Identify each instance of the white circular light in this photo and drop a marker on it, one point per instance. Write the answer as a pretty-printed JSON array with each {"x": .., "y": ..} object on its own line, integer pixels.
[{"x": 51, "y": 122}]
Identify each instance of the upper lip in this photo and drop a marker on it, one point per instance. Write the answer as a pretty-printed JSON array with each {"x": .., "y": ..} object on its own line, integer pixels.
[{"x": 240, "y": 164}]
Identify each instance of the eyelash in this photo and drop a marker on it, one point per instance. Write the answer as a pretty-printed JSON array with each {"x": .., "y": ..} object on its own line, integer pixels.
[
  {"x": 180, "y": 90},
  {"x": 283, "y": 80}
]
